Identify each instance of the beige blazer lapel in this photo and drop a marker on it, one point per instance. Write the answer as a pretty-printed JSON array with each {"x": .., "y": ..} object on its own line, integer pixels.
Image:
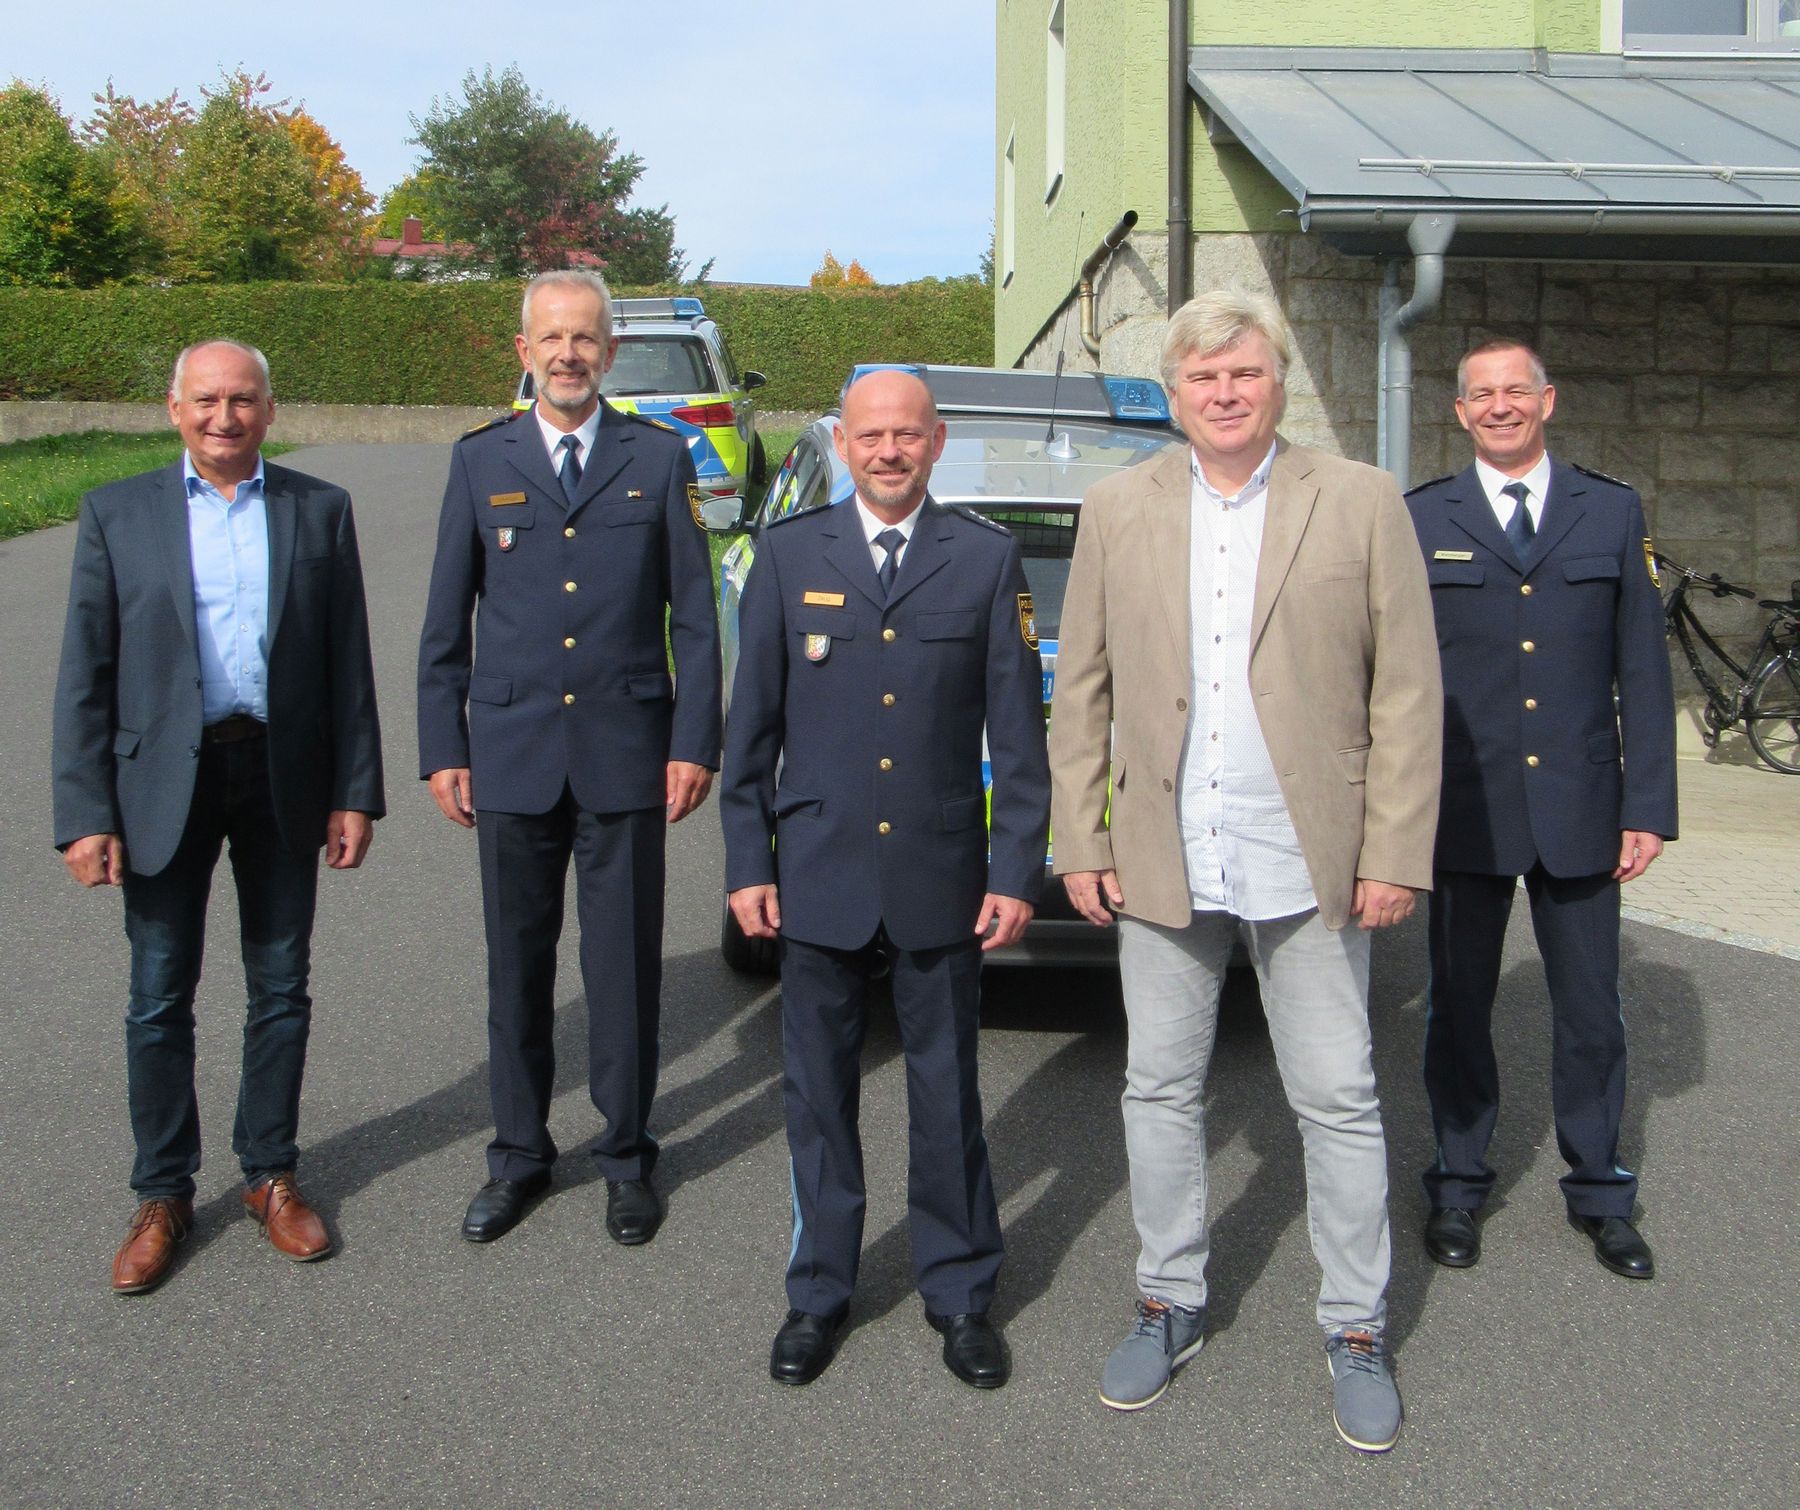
[
  {"x": 1167, "y": 519},
  {"x": 1292, "y": 494}
]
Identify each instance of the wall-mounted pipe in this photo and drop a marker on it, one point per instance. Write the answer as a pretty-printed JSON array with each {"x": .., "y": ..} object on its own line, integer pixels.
[
  {"x": 1090, "y": 270},
  {"x": 1181, "y": 114},
  {"x": 1429, "y": 237}
]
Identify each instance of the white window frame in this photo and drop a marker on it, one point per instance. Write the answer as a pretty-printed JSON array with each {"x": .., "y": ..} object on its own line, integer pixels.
[
  {"x": 1056, "y": 88},
  {"x": 1763, "y": 32}
]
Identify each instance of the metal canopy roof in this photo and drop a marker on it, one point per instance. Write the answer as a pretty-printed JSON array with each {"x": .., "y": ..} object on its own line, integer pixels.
[{"x": 1559, "y": 155}]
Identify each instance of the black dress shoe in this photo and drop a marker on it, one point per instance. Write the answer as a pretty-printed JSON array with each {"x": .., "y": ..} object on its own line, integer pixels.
[
  {"x": 1451, "y": 1237},
  {"x": 633, "y": 1212},
  {"x": 973, "y": 1349},
  {"x": 804, "y": 1346},
  {"x": 1617, "y": 1245},
  {"x": 500, "y": 1204}
]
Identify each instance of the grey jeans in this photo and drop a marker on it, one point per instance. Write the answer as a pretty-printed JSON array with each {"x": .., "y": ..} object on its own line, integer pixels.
[{"x": 1315, "y": 991}]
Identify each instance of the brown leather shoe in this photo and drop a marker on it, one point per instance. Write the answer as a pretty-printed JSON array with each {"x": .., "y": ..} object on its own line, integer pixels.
[
  {"x": 143, "y": 1259},
  {"x": 293, "y": 1227}
]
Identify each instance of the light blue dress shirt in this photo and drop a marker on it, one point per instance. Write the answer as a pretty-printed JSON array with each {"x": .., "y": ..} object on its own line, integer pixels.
[{"x": 228, "y": 540}]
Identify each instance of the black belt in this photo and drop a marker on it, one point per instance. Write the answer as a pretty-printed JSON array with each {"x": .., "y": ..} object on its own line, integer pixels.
[{"x": 233, "y": 730}]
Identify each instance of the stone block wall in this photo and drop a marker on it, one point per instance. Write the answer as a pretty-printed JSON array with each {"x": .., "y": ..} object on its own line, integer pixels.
[{"x": 1684, "y": 381}]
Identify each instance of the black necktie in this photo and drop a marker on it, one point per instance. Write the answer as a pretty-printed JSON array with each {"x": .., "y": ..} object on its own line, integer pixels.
[
  {"x": 1519, "y": 529},
  {"x": 569, "y": 473},
  {"x": 890, "y": 541}
]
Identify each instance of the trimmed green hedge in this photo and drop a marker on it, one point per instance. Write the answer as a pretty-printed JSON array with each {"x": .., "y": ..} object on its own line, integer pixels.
[{"x": 451, "y": 343}]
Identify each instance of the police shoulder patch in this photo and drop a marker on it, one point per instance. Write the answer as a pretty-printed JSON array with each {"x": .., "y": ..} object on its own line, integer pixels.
[
  {"x": 1599, "y": 476},
  {"x": 494, "y": 423},
  {"x": 1422, "y": 486}
]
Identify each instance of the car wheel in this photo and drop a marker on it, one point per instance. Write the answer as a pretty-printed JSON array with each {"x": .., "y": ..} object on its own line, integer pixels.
[
  {"x": 742, "y": 953},
  {"x": 759, "y": 464}
]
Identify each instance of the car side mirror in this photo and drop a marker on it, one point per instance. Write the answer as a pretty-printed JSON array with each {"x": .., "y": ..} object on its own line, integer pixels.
[
  {"x": 723, "y": 512},
  {"x": 754, "y": 379}
]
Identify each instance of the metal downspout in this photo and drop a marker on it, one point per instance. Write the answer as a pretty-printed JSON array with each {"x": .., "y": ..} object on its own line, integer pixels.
[
  {"x": 1180, "y": 152},
  {"x": 1429, "y": 237},
  {"x": 1090, "y": 270}
]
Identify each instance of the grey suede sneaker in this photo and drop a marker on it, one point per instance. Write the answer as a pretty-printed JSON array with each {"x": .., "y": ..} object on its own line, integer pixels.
[
  {"x": 1365, "y": 1404},
  {"x": 1163, "y": 1338}
]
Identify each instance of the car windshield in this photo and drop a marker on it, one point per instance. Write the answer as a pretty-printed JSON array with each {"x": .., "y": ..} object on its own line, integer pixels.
[
  {"x": 659, "y": 364},
  {"x": 1047, "y": 541}
]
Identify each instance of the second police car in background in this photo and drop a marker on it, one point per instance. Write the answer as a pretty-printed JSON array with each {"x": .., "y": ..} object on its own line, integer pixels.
[
  {"x": 1021, "y": 448},
  {"x": 675, "y": 365}
]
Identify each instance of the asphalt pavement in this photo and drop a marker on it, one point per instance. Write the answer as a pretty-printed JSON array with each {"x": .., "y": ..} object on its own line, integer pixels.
[{"x": 554, "y": 1368}]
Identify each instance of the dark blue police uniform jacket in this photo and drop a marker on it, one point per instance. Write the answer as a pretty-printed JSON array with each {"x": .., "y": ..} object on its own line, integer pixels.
[
  {"x": 1532, "y": 655},
  {"x": 875, "y": 708},
  {"x": 569, "y": 681}
]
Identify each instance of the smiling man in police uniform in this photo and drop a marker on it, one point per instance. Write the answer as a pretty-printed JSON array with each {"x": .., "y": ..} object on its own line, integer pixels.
[
  {"x": 1544, "y": 589},
  {"x": 877, "y": 638},
  {"x": 571, "y": 534}
]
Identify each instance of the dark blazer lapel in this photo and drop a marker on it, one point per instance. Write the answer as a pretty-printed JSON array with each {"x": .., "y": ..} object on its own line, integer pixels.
[
  {"x": 1466, "y": 506},
  {"x": 1287, "y": 511},
  {"x": 849, "y": 552},
  {"x": 527, "y": 454},
  {"x": 1564, "y": 505},
  {"x": 925, "y": 553},
  {"x": 611, "y": 454},
  {"x": 169, "y": 520},
  {"x": 278, "y": 507},
  {"x": 1168, "y": 525}
]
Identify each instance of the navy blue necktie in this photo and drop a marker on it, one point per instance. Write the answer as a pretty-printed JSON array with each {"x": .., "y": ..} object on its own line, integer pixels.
[
  {"x": 569, "y": 473},
  {"x": 1519, "y": 529},
  {"x": 890, "y": 541}
]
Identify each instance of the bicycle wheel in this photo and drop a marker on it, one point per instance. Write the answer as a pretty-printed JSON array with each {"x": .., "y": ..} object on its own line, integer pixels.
[{"x": 1772, "y": 712}]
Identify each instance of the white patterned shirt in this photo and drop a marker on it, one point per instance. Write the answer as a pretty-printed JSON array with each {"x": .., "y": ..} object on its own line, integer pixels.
[{"x": 1243, "y": 856}]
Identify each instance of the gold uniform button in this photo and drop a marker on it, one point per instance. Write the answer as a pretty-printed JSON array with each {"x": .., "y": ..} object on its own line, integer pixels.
[
  {"x": 1525, "y": 588},
  {"x": 1531, "y": 705},
  {"x": 887, "y": 699},
  {"x": 888, "y": 634},
  {"x": 568, "y": 697},
  {"x": 568, "y": 587},
  {"x": 884, "y": 828},
  {"x": 569, "y": 532},
  {"x": 886, "y": 764},
  {"x": 1528, "y": 647},
  {"x": 1531, "y": 760},
  {"x": 569, "y": 644}
]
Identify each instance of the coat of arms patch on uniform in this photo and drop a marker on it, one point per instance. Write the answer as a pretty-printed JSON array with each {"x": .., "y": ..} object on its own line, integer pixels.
[
  {"x": 508, "y": 537},
  {"x": 1027, "y": 621},
  {"x": 818, "y": 646}
]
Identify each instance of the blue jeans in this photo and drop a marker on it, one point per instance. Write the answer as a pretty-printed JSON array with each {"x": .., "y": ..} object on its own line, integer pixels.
[{"x": 165, "y": 919}]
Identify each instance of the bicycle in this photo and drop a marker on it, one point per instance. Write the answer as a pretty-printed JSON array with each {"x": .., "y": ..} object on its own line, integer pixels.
[{"x": 1765, "y": 700}]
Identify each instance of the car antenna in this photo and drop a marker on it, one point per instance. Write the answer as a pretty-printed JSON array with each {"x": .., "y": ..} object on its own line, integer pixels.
[{"x": 1061, "y": 447}]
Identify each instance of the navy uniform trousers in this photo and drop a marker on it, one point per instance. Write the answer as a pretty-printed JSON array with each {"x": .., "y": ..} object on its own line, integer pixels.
[
  {"x": 1543, "y": 770},
  {"x": 872, "y": 705}
]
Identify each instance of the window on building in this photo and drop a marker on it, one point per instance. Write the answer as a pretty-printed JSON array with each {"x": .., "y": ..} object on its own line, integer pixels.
[
  {"x": 1711, "y": 25},
  {"x": 1009, "y": 207},
  {"x": 1056, "y": 67}
]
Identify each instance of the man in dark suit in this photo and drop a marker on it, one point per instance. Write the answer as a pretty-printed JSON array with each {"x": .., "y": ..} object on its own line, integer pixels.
[
  {"x": 1546, "y": 601},
  {"x": 215, "y": 686},
  {"x": 571, "y": 534},
  {"x": 876, "y": 638}
]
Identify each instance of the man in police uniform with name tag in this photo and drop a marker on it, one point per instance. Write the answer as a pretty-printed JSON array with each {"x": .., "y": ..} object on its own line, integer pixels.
[
  {"x": 1543, "y": 583},
  {"x": 877, "y": 637},
  {"x": 570, "y": 535}
]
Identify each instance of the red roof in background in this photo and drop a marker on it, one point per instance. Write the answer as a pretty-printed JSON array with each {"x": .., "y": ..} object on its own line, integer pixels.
[{"x": 411, "y": 243}]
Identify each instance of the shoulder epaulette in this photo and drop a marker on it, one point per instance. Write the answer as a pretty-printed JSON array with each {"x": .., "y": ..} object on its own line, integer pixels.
[
  {"x": 978, "y": 518},
  {"x": 489, "y": 424},
  {"x": 1422, "y": 486},
  {"x": 806, "y": 512},
  {"x": 1600, "y": 476},
  {"x": 649, "y": 419}
]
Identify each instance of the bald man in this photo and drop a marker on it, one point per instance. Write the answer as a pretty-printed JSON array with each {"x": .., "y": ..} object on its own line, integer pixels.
[{"x": 878, "y": 637}]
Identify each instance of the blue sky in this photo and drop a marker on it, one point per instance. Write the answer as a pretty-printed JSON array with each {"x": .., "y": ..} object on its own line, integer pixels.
[{"x": 773, "y": 131}]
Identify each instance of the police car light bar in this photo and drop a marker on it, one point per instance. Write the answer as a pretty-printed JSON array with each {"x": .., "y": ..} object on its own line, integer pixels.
[{"x": 681, "y": 307}]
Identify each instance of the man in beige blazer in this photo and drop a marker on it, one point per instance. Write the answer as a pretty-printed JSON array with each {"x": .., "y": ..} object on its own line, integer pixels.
[{"x": 1246, "y": 741}]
